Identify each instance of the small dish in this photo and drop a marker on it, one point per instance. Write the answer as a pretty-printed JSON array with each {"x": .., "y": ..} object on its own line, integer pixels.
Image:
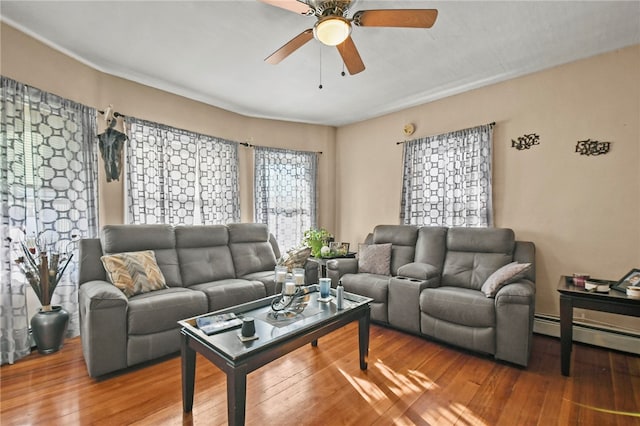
[
  {"x": 596, "y": 286},
  {"x": 633, "y": 292}
]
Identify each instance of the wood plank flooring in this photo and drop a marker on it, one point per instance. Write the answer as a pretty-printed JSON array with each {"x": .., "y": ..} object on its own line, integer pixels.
[{"x": 410, "y": 381}]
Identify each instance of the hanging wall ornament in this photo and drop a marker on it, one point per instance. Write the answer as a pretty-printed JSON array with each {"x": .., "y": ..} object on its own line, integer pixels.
[
  {"x": 111, "y": 139},
  {"x": 589, "y": 147},
  {"x": 525, "y": 141}
]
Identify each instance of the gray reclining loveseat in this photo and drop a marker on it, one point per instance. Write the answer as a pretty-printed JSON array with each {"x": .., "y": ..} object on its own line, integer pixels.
[
  {"x": 434, "y": 287},
  {"x": 206, "y": 268}
]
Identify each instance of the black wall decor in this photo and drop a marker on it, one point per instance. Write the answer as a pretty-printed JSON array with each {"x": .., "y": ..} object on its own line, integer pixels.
[
  {"x": 526, "y": 141},
  {"x": 589, "y": 147}
]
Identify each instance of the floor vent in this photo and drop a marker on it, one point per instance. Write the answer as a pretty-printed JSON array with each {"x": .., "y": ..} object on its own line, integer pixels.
[{"x": 590, "y": 334}]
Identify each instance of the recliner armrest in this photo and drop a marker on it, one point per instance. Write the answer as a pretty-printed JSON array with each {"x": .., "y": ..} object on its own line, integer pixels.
[
  {"x": 336, "y": 268},
  {"x": 419, "y": 271},
  {"x": 103, "y": 327},
  {"x": 522, "y": 292}
]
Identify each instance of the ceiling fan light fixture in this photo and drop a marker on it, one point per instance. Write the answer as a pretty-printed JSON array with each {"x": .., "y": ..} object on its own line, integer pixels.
[{"x": 332, "y": 30}]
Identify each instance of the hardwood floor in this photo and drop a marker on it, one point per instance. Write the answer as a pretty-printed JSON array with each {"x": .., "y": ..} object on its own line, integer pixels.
[{"x": 410, "y": 381}]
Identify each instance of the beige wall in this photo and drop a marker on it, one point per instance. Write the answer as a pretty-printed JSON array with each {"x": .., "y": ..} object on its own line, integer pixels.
[
  {"x": 29, "y": 61},
  {"x": 583, "y": 213}
]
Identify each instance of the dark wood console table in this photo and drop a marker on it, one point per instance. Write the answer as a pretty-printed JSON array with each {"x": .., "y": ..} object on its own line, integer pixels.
[{"x": 572, "y": 296}]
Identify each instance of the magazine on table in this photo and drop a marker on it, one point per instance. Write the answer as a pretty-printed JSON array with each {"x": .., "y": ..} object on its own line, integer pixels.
[{"x": 213, "y": 324}]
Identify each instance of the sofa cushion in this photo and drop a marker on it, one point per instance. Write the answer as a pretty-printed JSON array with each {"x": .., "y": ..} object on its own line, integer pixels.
[
  {"x": 471, "y": 270},
  {"x": 431, "y": 245},
  {"x": 373, "y": 286},
  {"x": 473, "y": 254},
  {"x": 159, "y": 238},
  {"x": 486, "y": 240},
  {"x": 459, "y": 306},
  {"x": 403, "y": 239},
  {"x": 161, "y": 310},
  {"x": 267, "y": 278},
  {"x": 374, "y": 259},
  {"x": 368, "y": 285},
  {"x": 503, "y": 276},
  {"x": 134, "y": 272},
  {"x": 250, "y": 248},
  {"x": 225, "y": 293},
  {"x": 248, "y": 232},
  {"x": 203, "y": 253}
]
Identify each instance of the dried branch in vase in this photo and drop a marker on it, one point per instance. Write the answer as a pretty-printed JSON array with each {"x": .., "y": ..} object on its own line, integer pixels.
[{"x": 42, "y": 263}]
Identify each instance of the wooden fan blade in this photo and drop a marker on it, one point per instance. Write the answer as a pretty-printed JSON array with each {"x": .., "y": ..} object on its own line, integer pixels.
[
  {"x": 293, "y": 45},
  {"x": 407, "y": 18},
  {"x": 350, "y": 56},
  {"x": 292, "y": 5}
]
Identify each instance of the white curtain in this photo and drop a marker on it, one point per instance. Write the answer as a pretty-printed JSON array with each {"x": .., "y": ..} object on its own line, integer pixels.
[
  {"x": 48, "y": 183},
  {"x": 179, "y": 177},
  {"x": 285, "y": 193},
  {"x": 447, "y": 179}
]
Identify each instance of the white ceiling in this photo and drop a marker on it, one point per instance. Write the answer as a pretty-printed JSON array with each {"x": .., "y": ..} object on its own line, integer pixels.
[{"x": 213, "y": 51}]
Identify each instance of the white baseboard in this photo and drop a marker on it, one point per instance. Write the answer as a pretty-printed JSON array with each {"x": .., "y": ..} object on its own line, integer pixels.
[{"x": 590, "y": 334}]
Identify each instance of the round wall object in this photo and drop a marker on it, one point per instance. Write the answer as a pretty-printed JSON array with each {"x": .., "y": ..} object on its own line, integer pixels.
[{"x": 409, "y": 129}]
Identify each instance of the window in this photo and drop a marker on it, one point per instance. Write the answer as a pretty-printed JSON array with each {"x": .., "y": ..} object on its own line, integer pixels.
[
  {"x": 179, "y": 177},
  {"x": 447, "y": 179},
  {"x": 285, "y": 193}
]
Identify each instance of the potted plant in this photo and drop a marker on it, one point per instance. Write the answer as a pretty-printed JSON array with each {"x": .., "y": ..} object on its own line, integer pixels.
[
  {"x": 43, "y": 265},
  {"x": 316, "y": 240}
]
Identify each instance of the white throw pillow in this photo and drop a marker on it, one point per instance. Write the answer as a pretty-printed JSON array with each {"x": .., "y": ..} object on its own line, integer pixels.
[{"x": 503, "y": 276}]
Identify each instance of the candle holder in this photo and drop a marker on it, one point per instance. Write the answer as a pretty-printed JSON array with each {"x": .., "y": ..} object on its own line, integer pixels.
[{"x": 290, "y": 302}]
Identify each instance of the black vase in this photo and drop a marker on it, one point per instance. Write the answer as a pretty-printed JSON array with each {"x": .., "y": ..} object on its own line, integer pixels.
[{"x": 48, "y": 329}]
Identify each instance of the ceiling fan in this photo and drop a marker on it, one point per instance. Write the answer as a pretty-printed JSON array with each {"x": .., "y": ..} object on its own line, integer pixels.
[{"x": 333, "y": 28}]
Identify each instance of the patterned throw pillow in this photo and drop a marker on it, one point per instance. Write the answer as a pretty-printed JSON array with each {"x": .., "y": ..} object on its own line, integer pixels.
[
  {"x": 503, "y": 276},
  {"x": 374, "y": 259},
  {"x": 134, "y": 272}
]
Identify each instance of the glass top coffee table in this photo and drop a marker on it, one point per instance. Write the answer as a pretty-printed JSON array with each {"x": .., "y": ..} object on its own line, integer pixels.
[{"x": 276, "y": 337}]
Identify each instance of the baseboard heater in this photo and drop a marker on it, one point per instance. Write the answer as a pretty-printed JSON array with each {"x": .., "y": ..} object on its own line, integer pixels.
[{"x": 588, "y": 333}]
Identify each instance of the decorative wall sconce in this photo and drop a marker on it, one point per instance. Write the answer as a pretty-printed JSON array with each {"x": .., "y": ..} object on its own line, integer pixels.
[
  {"x": 111, "y": 139},
  {"x": 589, "y": 147},
  {"x": 526, "y": 141}
]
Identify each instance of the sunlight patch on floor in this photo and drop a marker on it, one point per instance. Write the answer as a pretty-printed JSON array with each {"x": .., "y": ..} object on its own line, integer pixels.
[
  {"x": 415, "y": 383},
  {"x": 455, "y": 413},
  {"x": 412, "y": 382}
]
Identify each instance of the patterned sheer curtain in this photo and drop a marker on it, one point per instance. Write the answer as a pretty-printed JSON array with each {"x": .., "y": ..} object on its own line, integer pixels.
[
  {"x": 48, "y": 178},
  {"x": 285, "y": 193},
  {"x": 447, "y": 179},
  {"x": 179, "y": 177}
]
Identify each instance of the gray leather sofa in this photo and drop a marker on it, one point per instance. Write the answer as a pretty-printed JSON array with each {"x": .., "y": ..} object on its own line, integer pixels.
[
  {"x": 435, "y": 282},
  {"x": 206, "y": 268}
]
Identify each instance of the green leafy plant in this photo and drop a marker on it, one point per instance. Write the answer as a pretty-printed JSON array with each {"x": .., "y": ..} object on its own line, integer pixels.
[{"x": 315, "y": 239}]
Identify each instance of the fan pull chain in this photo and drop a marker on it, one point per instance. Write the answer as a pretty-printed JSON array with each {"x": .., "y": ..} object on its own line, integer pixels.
[
  {"x": 343, "y": 73},
  {"x": 320, "y": 86}
]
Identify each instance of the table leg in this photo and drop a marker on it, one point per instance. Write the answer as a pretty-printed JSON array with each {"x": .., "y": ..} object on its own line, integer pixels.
[
  {"x": 236, "y": 395},
  {"x": 188, "y": 374},
  {"x": 363, "y": 338},
  {"x": 314, "y": 343},
  {"x": 566, "y": 333}
]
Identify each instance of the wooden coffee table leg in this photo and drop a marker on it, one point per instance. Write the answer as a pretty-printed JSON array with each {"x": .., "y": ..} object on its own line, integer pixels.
[
  {"x": 188, "y": 374},
  {"x": 236, "y": 395},
  {"x": 566, "y": 333},
  {"x": 363, "y": 338}
]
